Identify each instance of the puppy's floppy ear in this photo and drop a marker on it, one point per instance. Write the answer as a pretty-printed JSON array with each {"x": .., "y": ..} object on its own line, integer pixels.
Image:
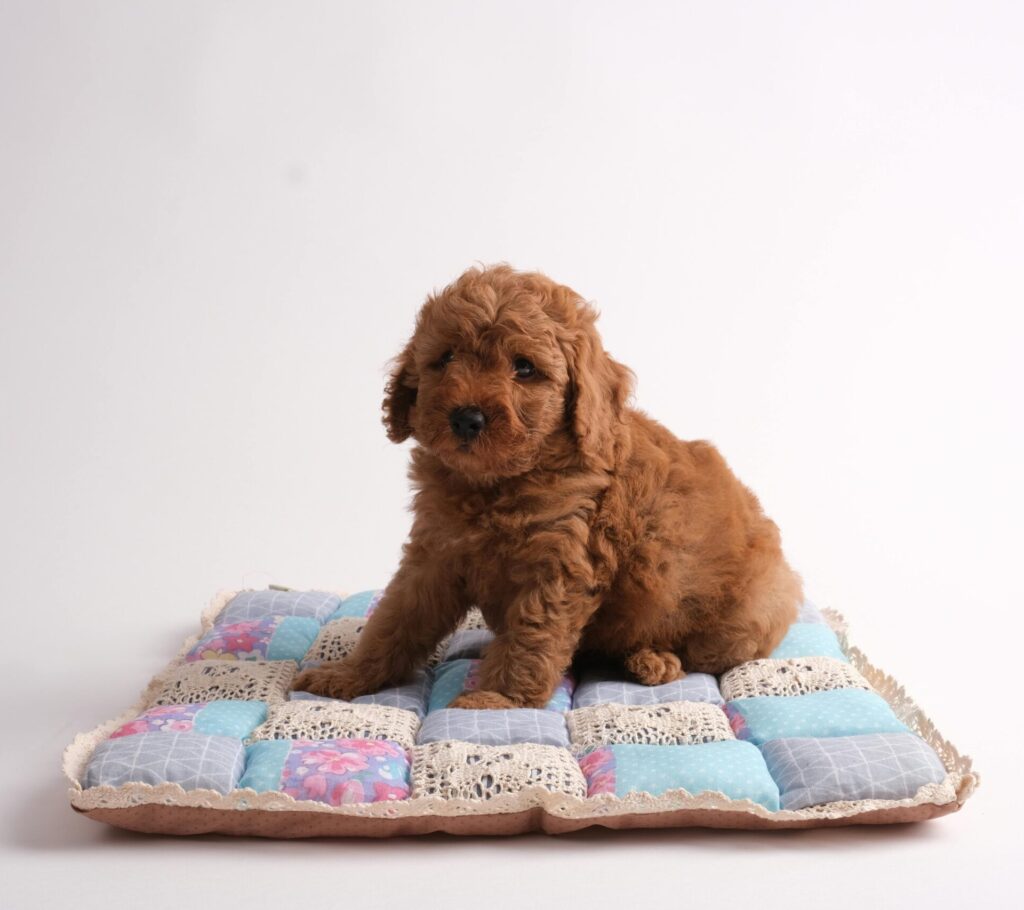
[
  {"x": 400, "y": 396},
  {"x": 598, "y": 389}
]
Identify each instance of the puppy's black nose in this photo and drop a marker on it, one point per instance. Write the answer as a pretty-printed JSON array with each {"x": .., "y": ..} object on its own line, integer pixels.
[{"x": 467, "y": 422}]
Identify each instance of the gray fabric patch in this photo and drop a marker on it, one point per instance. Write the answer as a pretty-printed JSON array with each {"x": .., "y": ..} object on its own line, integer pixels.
[
  {"x": 468, "y": 643},
  {"x": 193, "y": 760},
  {"x": 410, "y": 697},
  {"x": 870, "y": 766},
  {"x": 594, "y": 689},
  {"x": 258, "y": 604},
  {"x": 500, "y": 727}
]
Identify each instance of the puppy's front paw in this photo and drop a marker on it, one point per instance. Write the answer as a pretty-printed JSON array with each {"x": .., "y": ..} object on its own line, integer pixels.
[
  {"x": 655, "y": 668},
  {"x": 329, "y": 680},
  {"x": 483, "y": 699}
]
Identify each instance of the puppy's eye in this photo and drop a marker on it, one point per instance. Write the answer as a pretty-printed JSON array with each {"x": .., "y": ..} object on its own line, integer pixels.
[
  {"x": 445, "y": 359},
  {"x": 524, "y": 369}
]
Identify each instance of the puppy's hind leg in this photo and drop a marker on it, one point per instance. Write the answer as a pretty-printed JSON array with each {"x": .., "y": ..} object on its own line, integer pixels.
[{"x": 653, "y": 667}]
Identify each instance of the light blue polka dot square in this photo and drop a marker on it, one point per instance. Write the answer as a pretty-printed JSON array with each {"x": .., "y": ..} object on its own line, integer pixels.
[
  {"x": 809, "y": 639},
  {"x": 839, "y": 712}
]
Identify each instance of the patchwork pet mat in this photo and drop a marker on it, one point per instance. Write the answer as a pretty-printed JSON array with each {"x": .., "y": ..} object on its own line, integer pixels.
[{"x": 813, "y": 735}]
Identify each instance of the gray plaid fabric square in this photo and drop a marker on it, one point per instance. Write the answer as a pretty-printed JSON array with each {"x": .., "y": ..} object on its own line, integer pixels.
[
  {"x": 257, "y": 604},
  {"x": 468, "y": 643},
  {"x": 410, "y": 697},
  {"x": 808, "y": 612},
  {"x": 595, "y": 689},
  {"x": 870, "y": 766},
  {"x": 499, "y": 727},
  {"x": 193, "y": 760}
]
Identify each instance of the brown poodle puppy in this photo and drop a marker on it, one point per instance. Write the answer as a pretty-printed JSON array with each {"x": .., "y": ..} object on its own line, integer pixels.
[{"x": 576, "y": 523}]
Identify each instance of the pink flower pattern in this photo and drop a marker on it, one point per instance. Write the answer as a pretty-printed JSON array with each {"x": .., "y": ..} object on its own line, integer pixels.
[
  {"x": 341, "y": 771},
  {"x": 247, "y": 640},
  {"x": 737, "y": 721},
  {"x": 598, "y": 766},
  {"x": 162, "y": 718}
]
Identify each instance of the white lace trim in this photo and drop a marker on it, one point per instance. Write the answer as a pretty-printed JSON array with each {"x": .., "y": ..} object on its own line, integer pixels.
[
  {"x": 319, "y": 720},
  {"x": 678, "y": 723},
  {"x": 336, "y": 639},
  {"x": 958, "y": 785},
  {"x": 453, "y": 769},
  {"x": 789, "y": 676}
]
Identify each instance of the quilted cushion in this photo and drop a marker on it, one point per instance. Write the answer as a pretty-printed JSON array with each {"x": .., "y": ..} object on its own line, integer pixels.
[
  {"x": 802, "y": 731},
  {"x": 729, "y": 766},
  {"x": 468, "y": 643},
  {"x": 248, "y": 605},
  {"x": 790, "y": 676},
  {"x": 191, "y": 760},
  {"x": 267, "y": 638},
  {"x": 334, "y": 641},
  {"x": 215, "y": 680},
  {"x": 409, "y": 697},
  {"x": 453, "y": 677},
  {"x": 666, "y": 724},
  {"x": 596, "y": 689},
  {"x": 333, "y": 771},
  {"x": 809, "y": 639},
  {"x": 359, "y": 605},
  {"x": 842, "y": 712},
  {"x": 495, "y": 727},
  {"x": 870, "y": 766},
  {"x": 459, "y": 770},
  {"x": 319, "y": 720},
  {"x": 217, "y": 718}
]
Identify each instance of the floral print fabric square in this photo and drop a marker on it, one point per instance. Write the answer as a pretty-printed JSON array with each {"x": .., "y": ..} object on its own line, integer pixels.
[
  {"x": 268, "y": 638},
  {"x": 215, "y": 718},
  {"x": 333, "y": 771}
]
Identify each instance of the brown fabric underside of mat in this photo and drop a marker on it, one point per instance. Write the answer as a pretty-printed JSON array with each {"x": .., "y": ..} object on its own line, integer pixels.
[{"x": 184, "y": 820}]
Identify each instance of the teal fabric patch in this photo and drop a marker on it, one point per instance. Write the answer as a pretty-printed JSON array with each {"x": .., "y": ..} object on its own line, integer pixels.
[
  {"x": 734, "y": 768},
  {"x": 449, "y": 682},
  {"x": 840, "y": 712},
  {"x": 809, "y": 639},
  {"x": 264, "y": 763},
  {"x": 292, "y": 638},
  {"x": 360, "y": 604},
  {"x": 230, "y": 718},
  {"x": 453, "y": 677}
]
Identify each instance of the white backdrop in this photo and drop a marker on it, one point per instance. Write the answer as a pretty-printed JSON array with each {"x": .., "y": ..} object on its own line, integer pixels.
[{"x": 802, "y": 223}]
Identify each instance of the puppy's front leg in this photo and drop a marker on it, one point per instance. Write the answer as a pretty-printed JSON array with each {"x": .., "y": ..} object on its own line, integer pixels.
[
  {"x": 423, "y": 603},
  {"x": 524, "y": 664}
]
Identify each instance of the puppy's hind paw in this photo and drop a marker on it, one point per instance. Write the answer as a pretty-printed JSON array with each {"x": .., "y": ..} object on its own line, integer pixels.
[
  {"x": 481, "y": 698},
  {"x": 655, "y": 668}
]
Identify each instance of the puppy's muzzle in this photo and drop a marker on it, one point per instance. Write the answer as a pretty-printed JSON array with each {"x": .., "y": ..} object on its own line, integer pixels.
[{"x": 467, "y": 423}]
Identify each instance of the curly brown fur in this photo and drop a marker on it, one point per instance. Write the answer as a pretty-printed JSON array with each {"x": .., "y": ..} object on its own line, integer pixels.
[{"x": 576, "y": 523}]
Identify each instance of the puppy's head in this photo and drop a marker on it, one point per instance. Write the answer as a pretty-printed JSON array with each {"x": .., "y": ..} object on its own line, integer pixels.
[{"x": 504, "y": 371}]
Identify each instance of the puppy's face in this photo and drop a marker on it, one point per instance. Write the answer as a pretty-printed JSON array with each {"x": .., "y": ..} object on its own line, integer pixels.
[{"x": 495, "y": 373}]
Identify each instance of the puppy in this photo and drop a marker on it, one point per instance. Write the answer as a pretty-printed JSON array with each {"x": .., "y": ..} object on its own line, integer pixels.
[{"x": 576, "y": 523}]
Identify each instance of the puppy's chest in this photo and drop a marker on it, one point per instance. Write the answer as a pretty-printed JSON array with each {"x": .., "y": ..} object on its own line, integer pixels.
[{"x": 484, "y": 530}]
